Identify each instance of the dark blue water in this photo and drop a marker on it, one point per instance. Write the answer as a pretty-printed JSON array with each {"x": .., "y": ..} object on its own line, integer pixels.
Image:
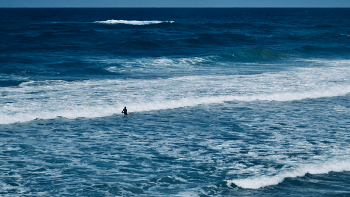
[{"x": 223, "y": 102}]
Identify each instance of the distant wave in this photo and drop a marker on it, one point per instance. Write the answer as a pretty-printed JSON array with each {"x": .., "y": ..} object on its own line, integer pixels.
[
  {"x": 256, "y": 54},
  {"x": 302, "y": 170},
  {"x": 132, "y": 22}
]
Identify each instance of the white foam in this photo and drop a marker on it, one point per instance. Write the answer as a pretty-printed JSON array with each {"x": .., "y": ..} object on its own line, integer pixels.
[
  {"x": 132, "y": 22},
  {"x": 321, "y": 93},
  {"x": 6, "y": 188},
  {"x": 98, "y": 98},
  {"x": 78, "y": 107},
  {"x": 299, "y": 171},
  {"x": 152, "y": 64},
  {"x": 6, "y": 77}
]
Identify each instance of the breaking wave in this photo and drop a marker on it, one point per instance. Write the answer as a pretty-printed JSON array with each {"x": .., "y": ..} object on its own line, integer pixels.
[
  {"x": 132, "y": 22},
  {"x": 264, "y": 181},
  {"x": 98, "y": 98}
]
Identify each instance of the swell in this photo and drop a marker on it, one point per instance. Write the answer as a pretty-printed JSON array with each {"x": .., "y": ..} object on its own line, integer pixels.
[
  {"x": 167, "y": 37},
  {"x": 335, "y": 51},
  {"x": 253, "y": 55}
]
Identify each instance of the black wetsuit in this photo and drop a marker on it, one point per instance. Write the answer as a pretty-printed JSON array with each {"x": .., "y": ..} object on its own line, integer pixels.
[{"x": 125, "y": 111}]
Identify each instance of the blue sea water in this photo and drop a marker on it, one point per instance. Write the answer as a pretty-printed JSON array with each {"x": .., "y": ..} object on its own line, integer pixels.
[{"x": 223, "y": 102}]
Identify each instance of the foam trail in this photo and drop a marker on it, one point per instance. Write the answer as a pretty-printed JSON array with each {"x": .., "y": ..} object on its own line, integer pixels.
[
  {"x": 264, "y": 181},
  {"x": 329, "y": 92},
  {"x": 189, "y": 102},
  {"x": 132, "y": 22},
  {"x": 86, "y": 112},
  {"x": 99, "y": 98},
  {"x": 99, "y": 108}
]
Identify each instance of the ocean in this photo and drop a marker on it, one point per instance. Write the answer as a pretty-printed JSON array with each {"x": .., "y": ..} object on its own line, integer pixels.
[{"x": 222, "y": 102}]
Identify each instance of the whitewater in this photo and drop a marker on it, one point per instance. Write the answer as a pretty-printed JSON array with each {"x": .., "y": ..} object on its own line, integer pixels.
[{"x": 98, "y": 98}]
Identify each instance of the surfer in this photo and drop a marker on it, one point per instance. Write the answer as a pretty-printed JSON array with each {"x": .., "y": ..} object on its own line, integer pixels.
[{"x": 125, "y": 111}]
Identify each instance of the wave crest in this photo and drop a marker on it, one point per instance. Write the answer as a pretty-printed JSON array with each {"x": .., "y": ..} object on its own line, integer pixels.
[
  {"x": 132, "y": 22},
  {"x": 264, "y": 181}
]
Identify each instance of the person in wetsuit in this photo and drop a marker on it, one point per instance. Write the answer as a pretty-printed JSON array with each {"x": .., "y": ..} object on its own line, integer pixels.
[{"x": 125, "y": 111}]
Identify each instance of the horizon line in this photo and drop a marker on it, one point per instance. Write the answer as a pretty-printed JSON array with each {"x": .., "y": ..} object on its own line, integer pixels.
[{"x": 185, "y": 7}]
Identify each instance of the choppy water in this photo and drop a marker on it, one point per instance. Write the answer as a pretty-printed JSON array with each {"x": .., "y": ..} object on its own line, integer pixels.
[{"x": 223, "y": 102}]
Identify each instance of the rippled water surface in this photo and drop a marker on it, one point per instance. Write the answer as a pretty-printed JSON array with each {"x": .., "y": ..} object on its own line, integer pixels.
[{"x": 222, "y": 102}]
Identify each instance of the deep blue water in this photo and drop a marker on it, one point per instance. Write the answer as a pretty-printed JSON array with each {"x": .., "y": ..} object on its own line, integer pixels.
[{"x": 223, "y": 102}]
